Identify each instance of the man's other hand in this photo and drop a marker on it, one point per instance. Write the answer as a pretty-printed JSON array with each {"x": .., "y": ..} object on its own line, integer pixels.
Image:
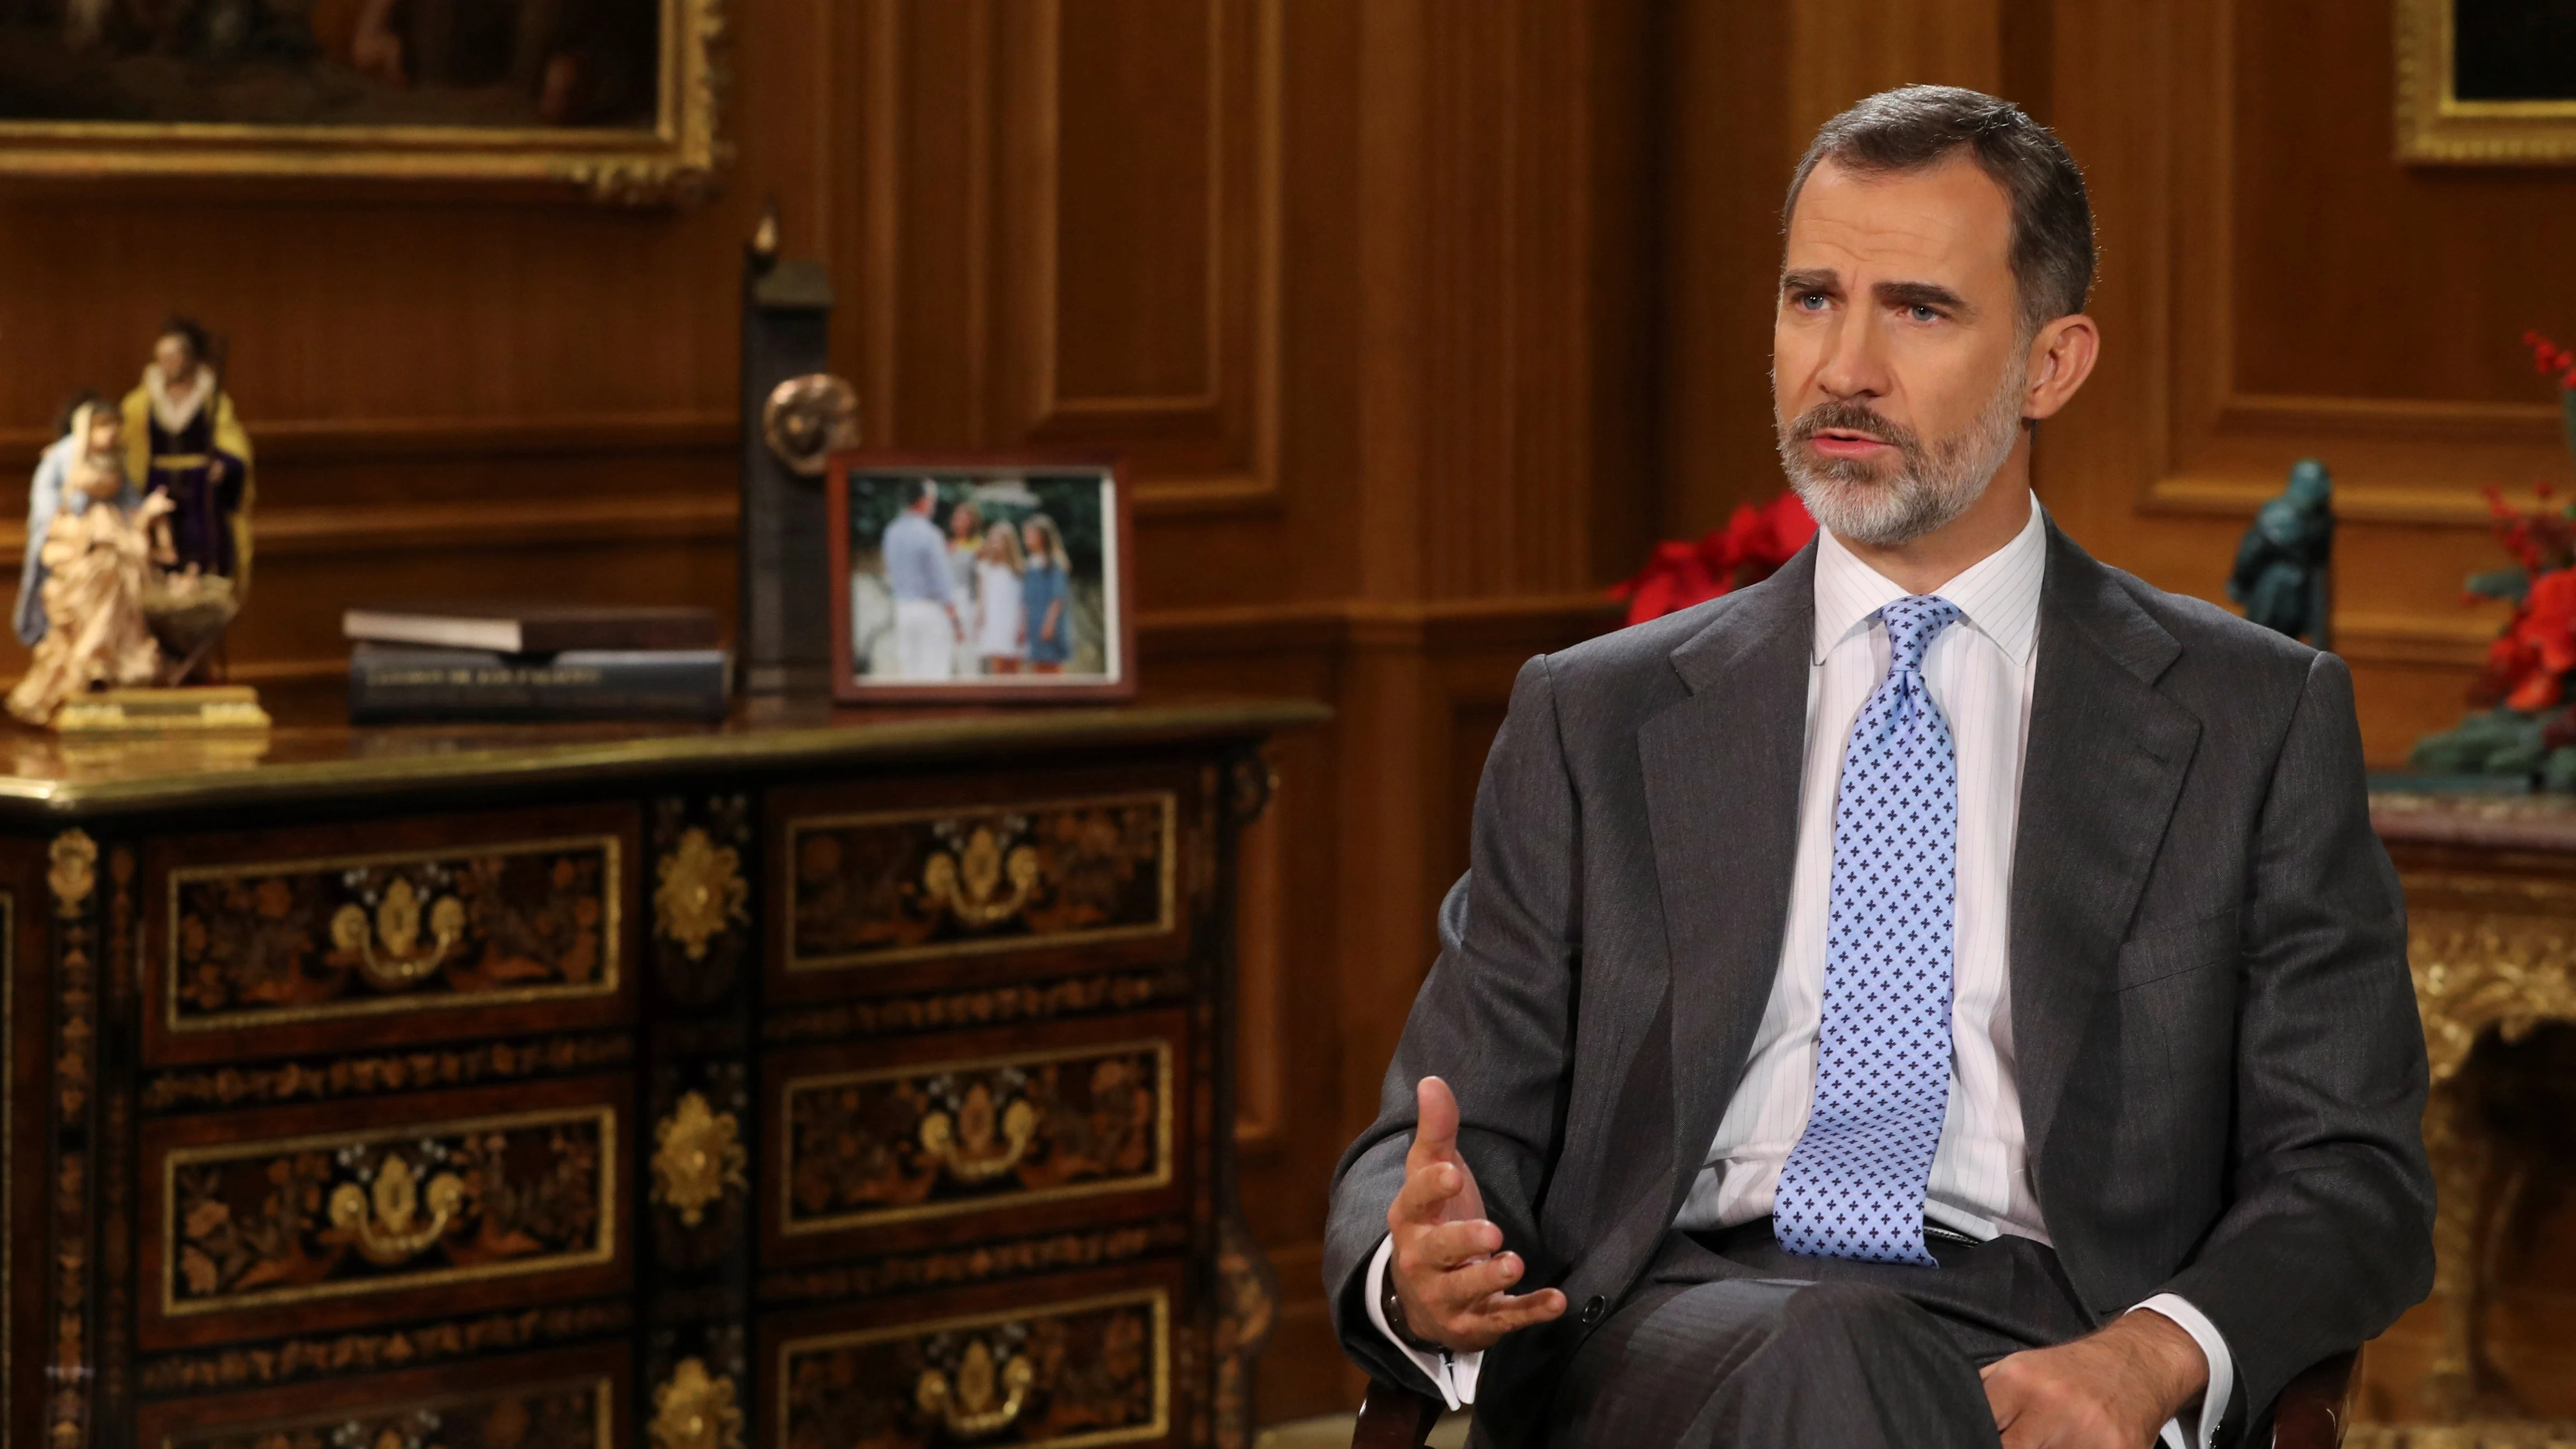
[
  {"x": 2112, "y": 1390},
  {"x": 1450, "y": 1270}
]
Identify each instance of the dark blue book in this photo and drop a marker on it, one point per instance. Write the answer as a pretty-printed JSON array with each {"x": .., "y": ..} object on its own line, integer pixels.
[{"x": 391, "y": 684}]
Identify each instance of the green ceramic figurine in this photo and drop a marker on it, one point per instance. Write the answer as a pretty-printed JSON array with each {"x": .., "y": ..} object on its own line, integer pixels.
[{"x": 2285, "y": 567}]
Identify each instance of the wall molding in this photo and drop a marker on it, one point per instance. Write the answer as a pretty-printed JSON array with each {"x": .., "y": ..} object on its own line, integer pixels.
[
  {"x": 2401, "y": 460},
  {"x": 485, "y": 525},
  {"x": 368, "y": 440}
]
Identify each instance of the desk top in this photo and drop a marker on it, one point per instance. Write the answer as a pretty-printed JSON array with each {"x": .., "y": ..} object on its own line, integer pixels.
[
  {"x": 45, "y": 777},
  {"x": 2491, "y": 822}
]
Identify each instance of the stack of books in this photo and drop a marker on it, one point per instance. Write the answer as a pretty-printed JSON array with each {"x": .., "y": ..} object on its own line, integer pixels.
[{"x": 449, "y": 660}]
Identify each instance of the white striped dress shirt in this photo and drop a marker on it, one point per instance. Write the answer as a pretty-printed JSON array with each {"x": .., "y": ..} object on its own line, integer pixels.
[{"x": 1979, "y": 672}]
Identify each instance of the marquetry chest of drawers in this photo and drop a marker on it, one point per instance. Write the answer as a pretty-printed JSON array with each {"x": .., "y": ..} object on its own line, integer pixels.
[{"x": 796, "y": 1084}]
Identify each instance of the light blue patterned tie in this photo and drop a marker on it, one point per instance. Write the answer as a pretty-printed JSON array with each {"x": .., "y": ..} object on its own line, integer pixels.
[{"x": 1853, "y": 1186}]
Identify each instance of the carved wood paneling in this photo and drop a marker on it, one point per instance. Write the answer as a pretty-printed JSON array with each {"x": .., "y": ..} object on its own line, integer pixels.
[
  {"x": 1074, "y": 235},
  {"x": 2228, "y": 221}
]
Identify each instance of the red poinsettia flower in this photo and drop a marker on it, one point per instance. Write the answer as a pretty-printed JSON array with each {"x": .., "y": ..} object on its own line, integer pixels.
[
  {"x": 2550, "y": 359},
  {"x": 1751, "y": 547},
  {"x": 2527, "y": 663},
  {"x": 1674, "y": 578}
]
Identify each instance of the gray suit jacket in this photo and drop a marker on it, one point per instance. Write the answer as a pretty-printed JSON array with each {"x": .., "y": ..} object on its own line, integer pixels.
[{"x": 2221, "y": 1069}]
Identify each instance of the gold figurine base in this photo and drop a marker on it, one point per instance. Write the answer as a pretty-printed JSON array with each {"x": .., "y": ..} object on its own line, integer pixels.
[{"x": 229, "y": 709}]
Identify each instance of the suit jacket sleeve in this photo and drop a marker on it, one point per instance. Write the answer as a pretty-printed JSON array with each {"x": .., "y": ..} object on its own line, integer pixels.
[
  {"x": 2328, "y": 1233},
  {"x": 1494, "y": 1019}
]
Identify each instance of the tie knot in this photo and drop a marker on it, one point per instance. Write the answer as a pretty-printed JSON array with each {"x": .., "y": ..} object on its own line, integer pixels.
[{"x": 1913, "y": 622}]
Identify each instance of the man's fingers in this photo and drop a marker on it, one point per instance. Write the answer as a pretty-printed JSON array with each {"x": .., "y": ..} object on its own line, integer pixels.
[
  {"x": 1435, "y": 1128},
  {"x": 1456, "y": 1291},
  {"x": 1453, "y": 1245},
  {"x": 1508, "y": 1311},
  {"x": 1427, "y": 1189}
]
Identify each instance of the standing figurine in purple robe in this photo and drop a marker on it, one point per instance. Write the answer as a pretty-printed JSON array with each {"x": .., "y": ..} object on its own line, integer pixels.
[{"x": 182, "y": 439}]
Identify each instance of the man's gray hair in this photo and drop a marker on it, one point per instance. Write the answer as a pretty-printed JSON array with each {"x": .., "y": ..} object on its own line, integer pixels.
[{"x": 1918, "y": 127}]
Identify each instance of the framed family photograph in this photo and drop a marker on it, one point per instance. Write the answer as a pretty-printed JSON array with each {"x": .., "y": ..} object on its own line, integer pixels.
[
  {"x": 618, "y": 97},
  {"x": 2486, "y": 81},
  {"x": 979, "y": 578}
]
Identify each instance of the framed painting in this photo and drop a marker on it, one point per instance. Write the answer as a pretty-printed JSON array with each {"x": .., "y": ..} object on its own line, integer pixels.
[
  {"x": 2486, "y": 81},
  {"x": 980, "y": 578},
  {"x": 616, "y": 97}
]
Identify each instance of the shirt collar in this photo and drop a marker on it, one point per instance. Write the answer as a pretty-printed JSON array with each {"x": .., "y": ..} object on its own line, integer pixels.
[{"x": 1998, "y": 595}]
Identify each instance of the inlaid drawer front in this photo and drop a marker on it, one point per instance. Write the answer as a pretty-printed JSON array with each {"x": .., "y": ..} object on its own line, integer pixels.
[
  {"x": 576, "y": 1414},
  {"x": 1058, "y": 1375},
  {"x": 909, "y": 885},
  {"x": 976, "y": 1133},
  {"x": 575, "y": 1398},
  {"x": 410, "y": 1195},
  {"x": 400, "y": 932}
]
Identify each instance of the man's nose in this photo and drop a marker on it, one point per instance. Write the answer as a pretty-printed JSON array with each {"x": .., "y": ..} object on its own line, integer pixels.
[{"x": 1852, "y": 366}]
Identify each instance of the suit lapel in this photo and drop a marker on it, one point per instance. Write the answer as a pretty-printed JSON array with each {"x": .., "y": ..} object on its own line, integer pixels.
[
  {"x": 1722, "y": 770},
  {"x": 2104, "y": 764}
]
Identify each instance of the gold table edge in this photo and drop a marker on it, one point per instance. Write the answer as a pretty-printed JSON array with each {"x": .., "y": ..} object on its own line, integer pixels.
[{"x": 51, "y": 799}]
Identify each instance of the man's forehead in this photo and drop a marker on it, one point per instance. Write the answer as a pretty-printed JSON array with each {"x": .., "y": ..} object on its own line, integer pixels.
[{"x": 1951, "y": 215}]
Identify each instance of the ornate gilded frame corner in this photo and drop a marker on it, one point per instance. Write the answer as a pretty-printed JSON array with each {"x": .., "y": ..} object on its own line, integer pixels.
[
  {"x": 2435, "y": 126},
  {"x": 680, "y": 160}
]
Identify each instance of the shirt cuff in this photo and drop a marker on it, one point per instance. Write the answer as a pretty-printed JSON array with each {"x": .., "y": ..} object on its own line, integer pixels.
[
  {"x": 1454, "y": 1374},
  {"x": 2222, "y": 1371}
]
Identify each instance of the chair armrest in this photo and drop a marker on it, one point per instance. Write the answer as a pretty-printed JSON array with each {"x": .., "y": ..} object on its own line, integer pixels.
[
  {"x": 2310, "y": 1411},
  {"x": 1394, "y": 1417}
]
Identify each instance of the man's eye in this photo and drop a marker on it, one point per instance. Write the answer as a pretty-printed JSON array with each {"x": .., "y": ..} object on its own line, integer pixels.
[
  {"x": 1811, "y": 301},
  {"x": 1921, "y": 313}
]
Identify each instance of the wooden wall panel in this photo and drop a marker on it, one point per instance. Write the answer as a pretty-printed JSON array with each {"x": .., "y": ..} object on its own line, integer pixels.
[{"x": 2277, "y": 286}]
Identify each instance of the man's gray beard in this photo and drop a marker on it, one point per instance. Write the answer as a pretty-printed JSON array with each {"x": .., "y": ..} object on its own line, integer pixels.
[{"x": 1930, "y": 486}]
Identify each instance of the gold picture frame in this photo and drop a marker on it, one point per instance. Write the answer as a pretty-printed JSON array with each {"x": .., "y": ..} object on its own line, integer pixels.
[
  {"x": 2434, "y": 125},
  {"x": 676, "y": 160}
]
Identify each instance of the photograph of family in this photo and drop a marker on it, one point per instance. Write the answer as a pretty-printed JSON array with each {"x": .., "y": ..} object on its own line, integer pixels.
[{"x": 999, "y": 579}]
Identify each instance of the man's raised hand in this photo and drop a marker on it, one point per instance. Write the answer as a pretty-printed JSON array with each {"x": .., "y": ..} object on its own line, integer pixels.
[{"x": 1449, "y": 1266}]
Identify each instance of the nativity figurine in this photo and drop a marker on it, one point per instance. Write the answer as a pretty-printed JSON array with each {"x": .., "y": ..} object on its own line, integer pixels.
[
  {"x": 89, "y": 571},
  {"x": 183, "y": 442},
  {"x": 2284, "y": 567}
]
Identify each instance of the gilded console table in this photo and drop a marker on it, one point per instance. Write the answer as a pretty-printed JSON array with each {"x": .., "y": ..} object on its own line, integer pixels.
[
  {"x": 2491, "y": 936},
  {"x": 806, "y": 1082}
]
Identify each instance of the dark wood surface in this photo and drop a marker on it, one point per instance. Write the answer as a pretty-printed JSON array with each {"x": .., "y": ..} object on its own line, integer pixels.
[{"x": 481, "y": 1076}]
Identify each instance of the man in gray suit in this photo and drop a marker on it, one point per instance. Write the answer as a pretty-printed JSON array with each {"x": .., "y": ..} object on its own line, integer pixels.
[{"x": 1947, "y": 993}]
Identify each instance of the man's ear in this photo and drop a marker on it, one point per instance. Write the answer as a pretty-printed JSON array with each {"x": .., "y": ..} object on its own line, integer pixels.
[{"x": 2061, "y": 357}]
